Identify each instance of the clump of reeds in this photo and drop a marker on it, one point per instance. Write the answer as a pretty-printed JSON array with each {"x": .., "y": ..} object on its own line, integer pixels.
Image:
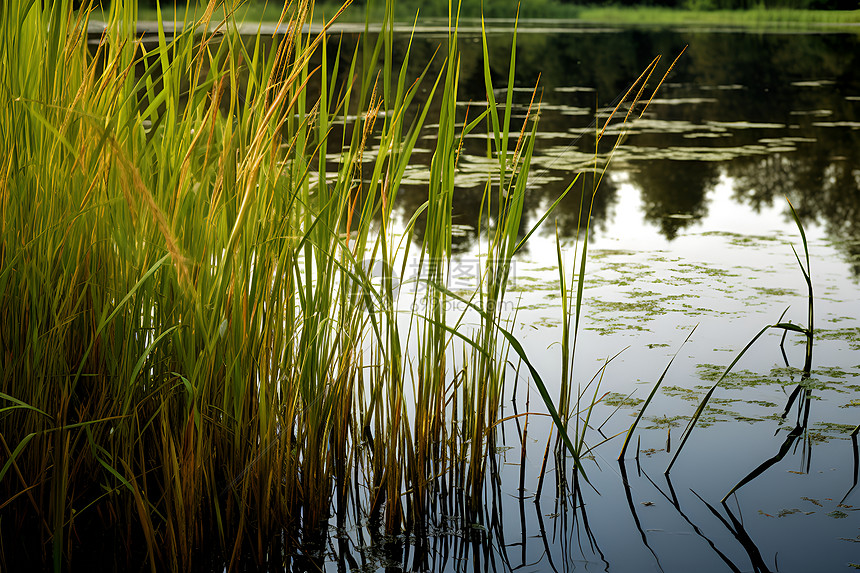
[{"x": 192, "y": 345}]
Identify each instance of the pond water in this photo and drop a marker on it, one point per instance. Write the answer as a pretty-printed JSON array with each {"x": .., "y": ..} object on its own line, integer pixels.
[{"x": 690, "y": 229}]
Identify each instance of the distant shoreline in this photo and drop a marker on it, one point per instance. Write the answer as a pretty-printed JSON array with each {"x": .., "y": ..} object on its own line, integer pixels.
[
  {"x": 558, "y": 14},
  {"x": 758, "y": 20},
  {"x": 776, "y": 17}
]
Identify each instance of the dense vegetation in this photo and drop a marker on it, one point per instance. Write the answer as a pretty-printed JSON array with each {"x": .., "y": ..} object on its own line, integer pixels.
[{"x": 202, "y": 341}]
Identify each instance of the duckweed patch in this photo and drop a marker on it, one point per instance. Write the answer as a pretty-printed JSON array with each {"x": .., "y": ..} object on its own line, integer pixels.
[
  {"x": 683, "y": 393},
  {"x": 734, "y": 380},
  {"x": 644, "y": 309},
  {"x": 824, "y": 378},
  {"x": 618, "y": 400},
  {"x": 665, "y": 422},
  {"x": 714, "y": 415},
  {"x": 851, "y": 336},
  {"x": 607, "y": 328},
  {"x": 709, "y": 271},
  {"x": 834, "y": 430},
  {"x": 631, "y": 304},
  {"x": 545, "y": 322},
  {"x": 771, "y": 292},
  {"x": 824, "y": 381},
  {"x": 648, "y": 293},
  {"x": 601, "y": 254}
]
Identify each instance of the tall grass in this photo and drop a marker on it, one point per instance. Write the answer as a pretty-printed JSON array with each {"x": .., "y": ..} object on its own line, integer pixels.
[{"x": 195, "y": 347}]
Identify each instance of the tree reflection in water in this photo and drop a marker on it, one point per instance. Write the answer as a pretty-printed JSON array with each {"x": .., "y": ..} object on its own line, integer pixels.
[
  {"x": 776, "y": 114},
  {"x": 674, "y": 193},
  {"x": 823, "y": 184}
]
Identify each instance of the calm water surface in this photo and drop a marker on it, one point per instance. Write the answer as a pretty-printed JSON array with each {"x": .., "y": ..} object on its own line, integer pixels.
[{"x": 690, "y": 228}]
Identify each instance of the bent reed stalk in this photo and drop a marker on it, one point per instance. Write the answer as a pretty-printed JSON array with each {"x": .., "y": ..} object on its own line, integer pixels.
[{"x": 193, "y": 345}]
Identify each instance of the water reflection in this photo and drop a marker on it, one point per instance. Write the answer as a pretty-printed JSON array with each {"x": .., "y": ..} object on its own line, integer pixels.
[
  {"x": 674, "y": 192},
  {"x": 775, "y": 113},
  {"x": 736, "y": 527},
  {"x": 856, "y": 455},
  {"x": 823, "y": 184}
]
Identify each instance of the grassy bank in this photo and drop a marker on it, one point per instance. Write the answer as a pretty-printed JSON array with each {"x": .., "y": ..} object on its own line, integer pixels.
[{"x": 757, "y": 17}]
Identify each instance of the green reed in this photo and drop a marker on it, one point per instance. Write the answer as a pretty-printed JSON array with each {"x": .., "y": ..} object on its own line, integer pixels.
[
  {"x": 194, "y": 341},
  {"x": 808, "y": 332}
]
